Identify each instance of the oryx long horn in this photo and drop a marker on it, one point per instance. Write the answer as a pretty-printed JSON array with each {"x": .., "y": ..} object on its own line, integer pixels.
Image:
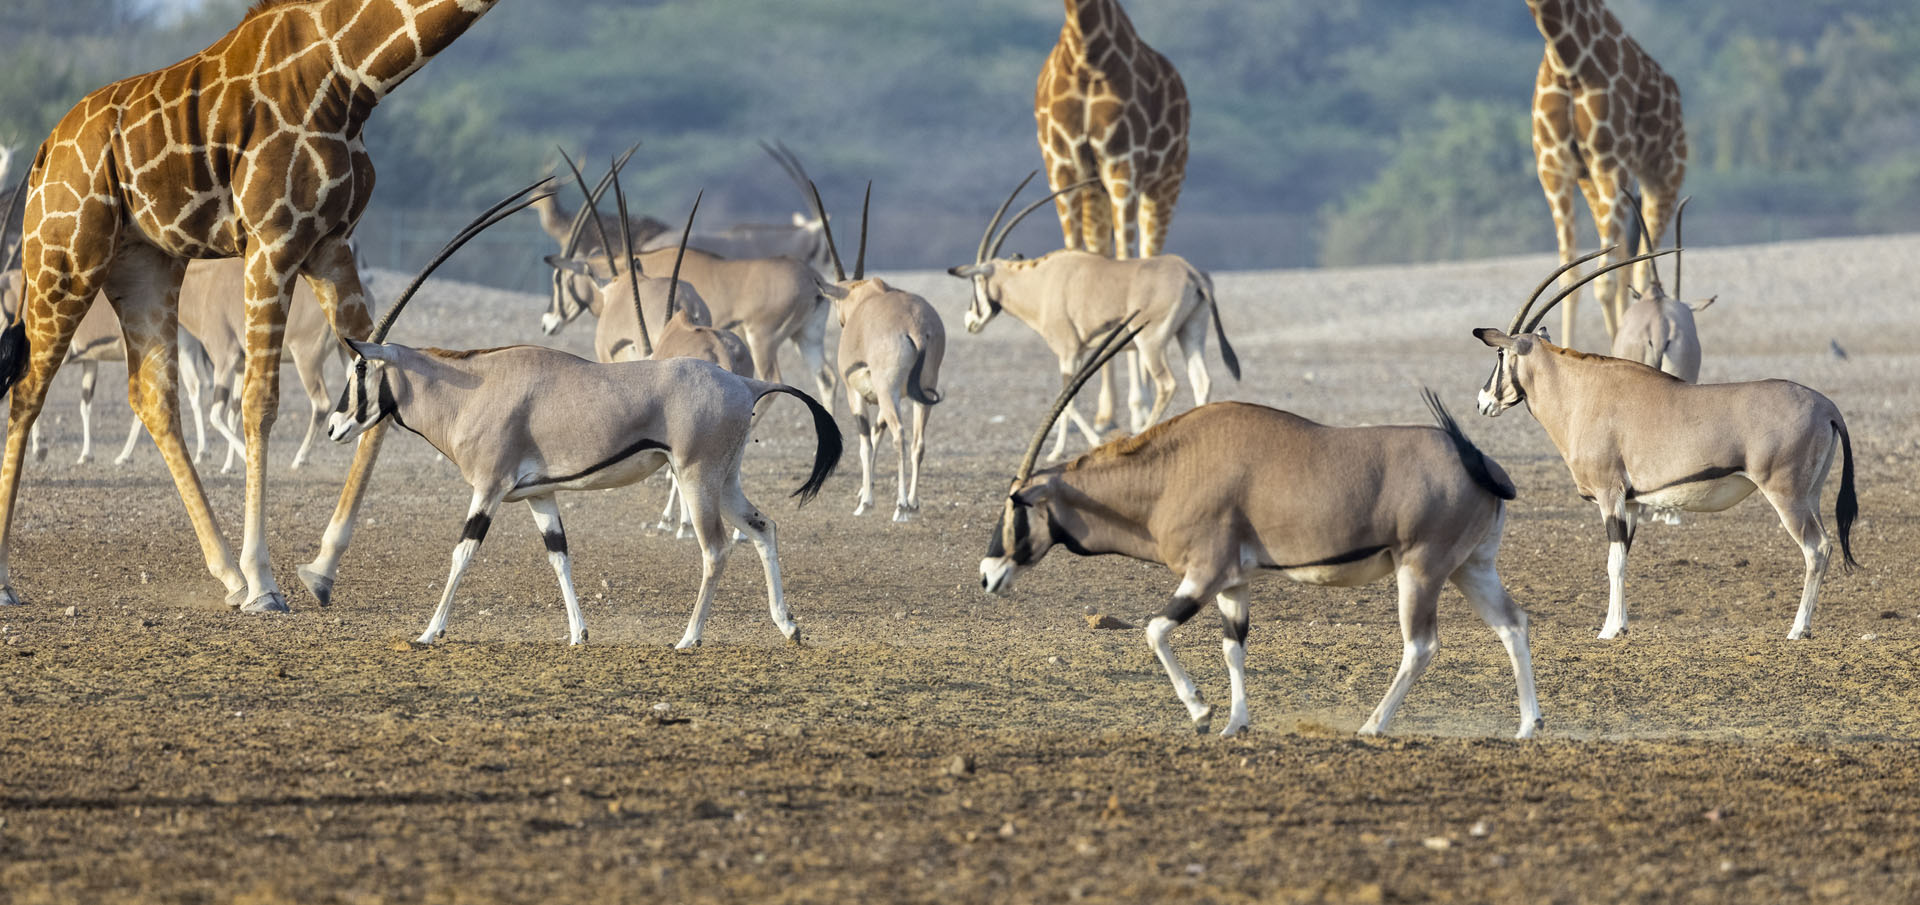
[
  {"x": 1520, "y": 318},
  {"x": 860, "y": 260},
  {"x": 1640, "y": 216},
  {"x": 673, "y": 287},
  {"x": 593, "y": 210},
  {"x": 1542, "y": 313},
  {"x": 788, "y": 161},
  {"x": 633, "y": 268},
  {"x": 579, "y": 227},
  {"x": 1678, "y": 214},
  {"x": 1007, "y": 230},
  {"x": 833, "y": 253},
  {"x": 986, "y": 241},
  {"x": 507, "y": 207},
  {"x": 1103, "y": 351}
]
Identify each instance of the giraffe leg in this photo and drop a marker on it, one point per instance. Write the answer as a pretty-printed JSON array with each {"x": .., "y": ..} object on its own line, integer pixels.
[
  {"x": 1156, "y": 209},
  {"x": 1062, "y": 173},
  {"x": 1556, "y": 162},
  {"x": 1122, "y": 203},
  {"x": 1610, "y": 211},
  {"x": 269, "y": 290},
  {"x": 335, "y": 280},
  {"x": 149, "y": 324},
  {"x": 51, "y": 317}
]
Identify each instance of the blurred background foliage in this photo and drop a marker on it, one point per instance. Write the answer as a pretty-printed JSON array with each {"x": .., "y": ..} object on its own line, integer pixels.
[{"x": 1325, "y": 131}]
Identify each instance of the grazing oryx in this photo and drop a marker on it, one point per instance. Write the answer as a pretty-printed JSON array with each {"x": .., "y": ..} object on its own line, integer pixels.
[
  {"x": 213, "y": 309},
  {"x": 801, "y": 240},
  {"x": 1657, "y": 330},
  {"x": 891, "y": 346},
  {"x": 1641, "y": 443},
  {"x": 564, "y": 227},
  {"x": 1070, "y": 296},
  {"x": 1228, "y": 490},
  {"x": 524, "y": 422}
]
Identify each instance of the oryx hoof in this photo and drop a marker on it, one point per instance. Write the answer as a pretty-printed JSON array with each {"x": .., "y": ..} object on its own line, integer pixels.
[
  {"x": 320, "y": 586},
  {"x": 793, "y": 637},
  {"x": 1800, "y": 634},
  {"x": 122, "y": 461},
  {"x": 40, "y": 455},
  {"x": 84, "y": 459},
  {"x": 1528, "y": 729},
  {"x": 687, "y": 644},
  {"x": 9, "y": 598},
  {"x": 270, "y": 602},
  {"x": 1203, "y": 721},
  {"x": 904, "y": 513},
  {"x": 1233, "y": 729},
  {"x": 1611, "y": 632},
  {"x": 863, "y": 507}
]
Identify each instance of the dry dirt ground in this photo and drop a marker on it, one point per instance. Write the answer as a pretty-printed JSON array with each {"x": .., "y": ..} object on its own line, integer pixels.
[{"x": 928, "y": 743}]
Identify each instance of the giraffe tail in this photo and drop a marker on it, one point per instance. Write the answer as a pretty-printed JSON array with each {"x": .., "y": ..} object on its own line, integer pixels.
[{"x": 13, "y": 354}]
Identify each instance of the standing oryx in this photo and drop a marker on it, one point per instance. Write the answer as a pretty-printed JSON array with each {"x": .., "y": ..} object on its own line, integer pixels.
[
  {"x": 891, "y": 346},
  {"x": 1642, "y": 443},
  {"x": 524, "y": 422},
  {"x": 1658, "y": 330},
  {"x": 802, "y": 239},
  {"x": 1228, "y": 490},
  {"x": 1068, "y": 297}
]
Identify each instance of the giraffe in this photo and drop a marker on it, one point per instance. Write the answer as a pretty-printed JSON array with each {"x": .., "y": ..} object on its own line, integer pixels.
[
  {"x": 1604, "y": 115},
  {"x": 1109, "y": 108},
  {"x": 251, "y": 148}
]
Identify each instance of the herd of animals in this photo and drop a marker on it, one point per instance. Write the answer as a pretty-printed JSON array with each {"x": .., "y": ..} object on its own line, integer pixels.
[{"x": 219, "y": 232}]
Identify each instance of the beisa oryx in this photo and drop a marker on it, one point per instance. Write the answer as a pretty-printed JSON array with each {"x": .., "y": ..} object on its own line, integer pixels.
[
  {"x": 891, "y": 345},
  {"x": 1069, "y": 297},
  {"x": 1229, "y": 490},
  {"x": 1641, "y": 443},
  {"x": 802, "y": 239},
  {"x": 525, "y": 422},
  {"x": 1657, "y": 330}
]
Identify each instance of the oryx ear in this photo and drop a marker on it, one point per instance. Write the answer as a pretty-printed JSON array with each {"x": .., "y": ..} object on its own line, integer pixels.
[
  {"x": 570, "y": 265},
  {"x": 1633, "y": 292},
  {"x": 958, "y": 270},
  {"x": 1034, "y": 495},
  {"x": 799, "y": 219},
  {"x": 1493, "y": 338},
  {"x": 1702, "y": 306},
  {"x": 370, "y": 351},
  {"x": 834, "y": 291}
]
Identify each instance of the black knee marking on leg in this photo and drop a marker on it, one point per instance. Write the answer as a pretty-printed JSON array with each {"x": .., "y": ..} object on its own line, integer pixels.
[
  {"x": 476, "y": 528},
  {"x": 1235, "y": 629},
  {"x": 1619, "y": 532},
  {"x": 862, "y": 426},
  {"x": 556, "y": 541},
  {"x": 758, "y": 522},
  {"x": 1181, "y": 609}
]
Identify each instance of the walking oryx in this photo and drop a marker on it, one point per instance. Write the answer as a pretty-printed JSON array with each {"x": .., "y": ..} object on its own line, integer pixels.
[
  {"x": 891, "y": 346},
  {"x": 801, "y": 240},
  {"x": 1642, "y": 443},
  {"x": 1657, "y": 330},
  {"x": 524, "y": 422},
  {"x": 1070, "y": 296},
  {"x": 1227, "y": 490}
]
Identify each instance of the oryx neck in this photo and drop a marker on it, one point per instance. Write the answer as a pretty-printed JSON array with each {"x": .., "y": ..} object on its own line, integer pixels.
[{"x": 1106, "y": 506}]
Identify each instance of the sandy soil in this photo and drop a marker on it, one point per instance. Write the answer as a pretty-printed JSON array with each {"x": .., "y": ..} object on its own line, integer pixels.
[{"x": 931, "y": 744}]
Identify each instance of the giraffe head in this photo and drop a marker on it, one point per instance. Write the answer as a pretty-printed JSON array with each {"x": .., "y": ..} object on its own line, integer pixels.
[{"x": 987, "y": 261}]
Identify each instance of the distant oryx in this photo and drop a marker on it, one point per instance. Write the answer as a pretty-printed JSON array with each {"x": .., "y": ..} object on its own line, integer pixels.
[
  {"x": 524, "y": 422},
  {"x": 1658, "y": 331},
  {"x": 1231, "y": 489},
  {"x": 1068, "y": 297},
  {"x": 1641, "y": 443},
  {"x": 802, "y": 240},
  {"x": 765, "y": 300},
  {"x": 891, "y": 345}
]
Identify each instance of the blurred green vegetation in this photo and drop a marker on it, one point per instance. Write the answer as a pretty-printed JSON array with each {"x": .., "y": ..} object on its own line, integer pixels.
[{"x": 1352, "y": 131}]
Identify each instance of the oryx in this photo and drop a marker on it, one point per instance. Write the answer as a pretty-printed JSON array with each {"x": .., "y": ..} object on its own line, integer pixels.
[
  {"x": 1658, "y": 330},
  {"x": 1069, "y": 296},
  {"x": 802, "y": 239},
  {"x": 524, "y": 422},
  {"x": 891, "y": 345},
  {"x": 1642, "y": 443},
  {"x": 1228, "y": 490}
]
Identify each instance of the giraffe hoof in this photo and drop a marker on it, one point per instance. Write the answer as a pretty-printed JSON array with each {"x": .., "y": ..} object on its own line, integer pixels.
[
  {"x": 9, "y": 598},
  {"x": 237, "y": 597},
  {"x": 320, "y": 586},
  {"x": 270, "y": 602}
]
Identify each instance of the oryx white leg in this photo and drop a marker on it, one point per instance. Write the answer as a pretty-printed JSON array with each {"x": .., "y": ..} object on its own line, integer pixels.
[
  {"x": 315, "y": 419},
  {"x": 669, "y": 517},
  {"x": 89, "y": 372},
  {"x": 479, "y": 518},
  {"x": 1419, "y": 637},
  {"x": 1479, "y": 581},
  {"x": 1155, "y": 358},
  {"x": 1234, "y": 621},
  {"x": 38, "y": 441},
  {"x": 223, "y": 414},
  {"x": 863, "y": 431},
  {"x": 746, "y": 519},
  {"x": 195, "y": 372},
  {"x": 1103, "y": 420},
  {"x": 546, "y": 517},
  {"x": 1185, "y": 603},
  {"x": 1193, "y": 346},
  {"x": 1136, "y": 390},
  {"x": 1803, "y": 524},
  {"x": 891, "y": 422},
  {"x": 709, "y": 533},
  {"x": 1619, "y": 517},
  {"x": 811, "y": 341},
  {"x": 918, "y": 457},
  {"x": 134, "y": 431}
]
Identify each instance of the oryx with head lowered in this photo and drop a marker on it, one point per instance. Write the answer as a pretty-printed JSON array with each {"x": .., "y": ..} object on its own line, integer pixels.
[
  {"x": 525, "y": 422},
  {"x": 891, "y": 345},
  {"x": 1641, "y": 443},
  {"x": 1657, "y": 330},
  {"x": 802, "y": 239},
  {"x": 1070, "y": 296},
  {"x": 1229, "y": 490}
]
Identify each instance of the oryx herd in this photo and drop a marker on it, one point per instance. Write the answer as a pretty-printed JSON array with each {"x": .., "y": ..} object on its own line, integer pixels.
[{"x": 688, "y": 326}]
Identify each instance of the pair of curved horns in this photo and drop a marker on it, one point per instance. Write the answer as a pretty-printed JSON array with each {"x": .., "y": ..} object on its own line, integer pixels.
[
  {"x": 1518, "y": 327},
  {"x": 626, "y": 248},
  {"x": 580, "y": 216},
  {"x": 789, "y": 162},
  {"x": 990, "y": 243},
  {"x": 507, "y": 207},
  {"x": 833, "y": 253}
]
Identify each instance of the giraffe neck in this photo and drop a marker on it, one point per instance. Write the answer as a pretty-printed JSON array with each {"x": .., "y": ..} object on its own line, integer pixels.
[
  {"x": 1560, "y": 20},
  {"x": 382, "y": 42},
  {"x": 1092, "y": 25}
]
